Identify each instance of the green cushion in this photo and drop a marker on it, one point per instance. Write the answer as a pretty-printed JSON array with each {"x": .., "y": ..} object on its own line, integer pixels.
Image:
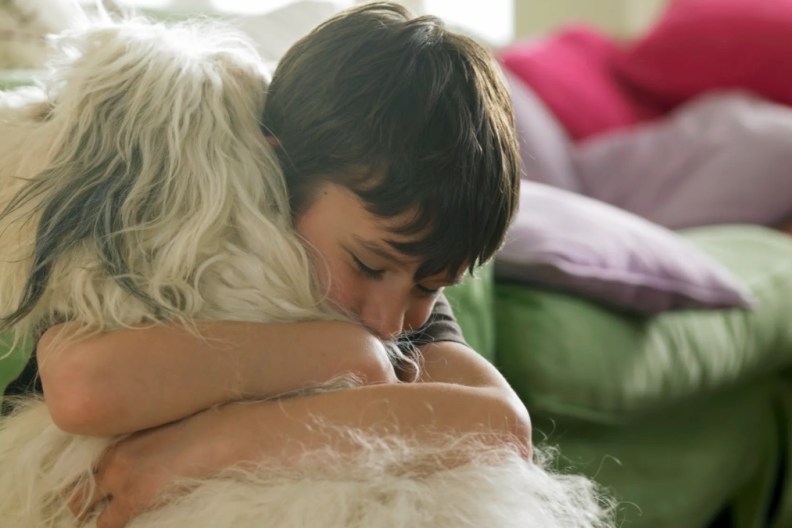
[
  {"x": 575, "y": 359},
  {"x": 678, "y": 415},
  {"x": 783, "y": 409},
  {"x": 680, "y": 467},
  {"x": 12, "y": 361},
  {"x": 473, "y": 305}
]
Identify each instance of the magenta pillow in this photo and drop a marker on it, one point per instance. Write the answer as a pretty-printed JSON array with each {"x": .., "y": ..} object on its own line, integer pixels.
[
  {"x": 718, "y": 159},
  {"x": 566, "y": 241},
  {"x": 571, "y": 71},
  {"x": 701, "y": 45}
]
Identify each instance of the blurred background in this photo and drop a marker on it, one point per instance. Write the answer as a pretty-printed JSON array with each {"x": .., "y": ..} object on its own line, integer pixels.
[{"x": 495, "y": 22}]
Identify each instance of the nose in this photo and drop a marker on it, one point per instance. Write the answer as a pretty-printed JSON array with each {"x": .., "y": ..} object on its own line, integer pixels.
[{"x": 384, "y": 316}]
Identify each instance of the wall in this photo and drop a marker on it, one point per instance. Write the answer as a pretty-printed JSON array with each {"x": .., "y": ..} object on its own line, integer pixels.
[{"x": 617, "y": 17}]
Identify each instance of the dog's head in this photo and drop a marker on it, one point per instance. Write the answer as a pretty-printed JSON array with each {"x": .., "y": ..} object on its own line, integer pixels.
[{"x": 153, "y": 195}]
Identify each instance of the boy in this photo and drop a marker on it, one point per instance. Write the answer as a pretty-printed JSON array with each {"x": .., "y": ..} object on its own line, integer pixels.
[{"x": 397, "y": 144}]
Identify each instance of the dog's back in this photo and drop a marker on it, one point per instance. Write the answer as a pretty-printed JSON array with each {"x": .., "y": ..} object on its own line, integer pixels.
[{"x": 145, "y": 187}]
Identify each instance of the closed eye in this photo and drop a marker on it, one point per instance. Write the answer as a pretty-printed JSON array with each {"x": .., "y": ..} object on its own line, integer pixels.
[
  {"x": 366, "y": 270},
  {"x": 429, "y": 292}
]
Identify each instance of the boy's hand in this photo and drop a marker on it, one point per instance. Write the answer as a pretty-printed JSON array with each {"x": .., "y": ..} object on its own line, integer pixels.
[{"x": 134, "y": 472}]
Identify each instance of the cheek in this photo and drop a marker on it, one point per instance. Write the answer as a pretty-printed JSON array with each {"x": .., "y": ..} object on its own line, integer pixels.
[
  {"x": 346, "y": 290},
  {"x": 328, "y": 264},
  {"x": 418, "y": 314}
]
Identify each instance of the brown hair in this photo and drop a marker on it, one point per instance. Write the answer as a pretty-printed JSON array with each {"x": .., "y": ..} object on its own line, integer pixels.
[{"x": 411, "y": 117}]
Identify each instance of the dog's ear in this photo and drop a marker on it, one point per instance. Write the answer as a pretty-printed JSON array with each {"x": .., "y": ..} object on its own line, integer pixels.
[{"x": 155, "y": 142}]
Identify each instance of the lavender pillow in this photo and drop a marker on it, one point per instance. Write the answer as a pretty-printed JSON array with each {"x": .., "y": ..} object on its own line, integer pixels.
[
  {"x": 545, "y": 148},
  {"x": 566, "y": 241},
  {"x": 722, "y": 158}
]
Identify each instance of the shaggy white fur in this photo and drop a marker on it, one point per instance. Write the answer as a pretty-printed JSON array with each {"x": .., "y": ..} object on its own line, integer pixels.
[
  {"x": 142, "y": 159},
  {"x": 135, "y": 187},
  {"x": 390, "y": 483}
]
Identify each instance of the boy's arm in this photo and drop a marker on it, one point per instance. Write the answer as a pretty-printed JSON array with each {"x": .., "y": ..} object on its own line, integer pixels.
[
  {"x": 133, "y": 379},
  {"x": 458, "y": 392},
  {"x": 136, "y": 470},
  {"x": 447, "y": 358}
]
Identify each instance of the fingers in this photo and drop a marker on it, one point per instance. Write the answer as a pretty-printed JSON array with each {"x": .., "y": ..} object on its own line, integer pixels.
[
  {"x": 88, "y": 498},
  {"x": 115, "y": 515},
  {"x": 88, "y": 495},
  {"x": 118, "y": 510},
  {"x": 128, "y": 490},
  {"x": 85, "y": 498},
  {"x": 128, "y": 479}
]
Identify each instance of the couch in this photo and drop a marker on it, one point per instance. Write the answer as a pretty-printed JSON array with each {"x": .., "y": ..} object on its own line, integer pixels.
[
  {"x": 682, "y": 416},
  {"x": 681, "y": 411}
]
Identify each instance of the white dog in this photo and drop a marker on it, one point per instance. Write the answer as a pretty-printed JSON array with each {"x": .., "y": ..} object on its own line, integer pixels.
[{"x": 134, "y": 188}]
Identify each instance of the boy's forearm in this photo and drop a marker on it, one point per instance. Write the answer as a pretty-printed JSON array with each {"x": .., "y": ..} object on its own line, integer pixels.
[
  {"x": 451, "y": 362},
  {"x": 457, "y": 392},
  {"x": 280, "y": 432},
  {"x": 287, "y": 429},
  {"x": 135, "y": 379}
]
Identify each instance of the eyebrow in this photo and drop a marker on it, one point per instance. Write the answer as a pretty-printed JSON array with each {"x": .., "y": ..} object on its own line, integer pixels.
[{"x": 382, "y": 252}]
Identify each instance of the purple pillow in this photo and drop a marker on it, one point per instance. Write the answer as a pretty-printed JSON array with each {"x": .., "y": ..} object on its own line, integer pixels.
[
  {"x": 566, "y": 241},
  {"x": 722, "y": 158},
  {"x": 545, "y": 148}
]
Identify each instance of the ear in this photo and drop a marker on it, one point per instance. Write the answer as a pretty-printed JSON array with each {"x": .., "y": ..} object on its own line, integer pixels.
[{"x": 272, "y": 141}]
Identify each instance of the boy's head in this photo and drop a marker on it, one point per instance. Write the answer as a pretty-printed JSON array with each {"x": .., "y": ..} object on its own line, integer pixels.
[{"x": 413, "y": 118}]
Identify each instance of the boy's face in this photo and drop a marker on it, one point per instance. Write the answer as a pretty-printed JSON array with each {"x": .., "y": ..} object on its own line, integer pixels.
[{"x": 363, "y": 274}]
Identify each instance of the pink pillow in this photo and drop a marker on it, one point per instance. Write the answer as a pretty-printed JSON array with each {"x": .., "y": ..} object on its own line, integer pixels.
[
  {"x": 571, "y": 71},
  {"x": 701, "y": 45}
]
